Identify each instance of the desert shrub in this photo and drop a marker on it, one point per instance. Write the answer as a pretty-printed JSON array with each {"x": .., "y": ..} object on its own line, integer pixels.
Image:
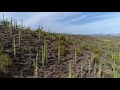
[
  {"x": 108, "y": 56},
  {"x": 96, "y": 59},
  {"x": 96, "y": 50},
  {"x": 5, "y": 61}
]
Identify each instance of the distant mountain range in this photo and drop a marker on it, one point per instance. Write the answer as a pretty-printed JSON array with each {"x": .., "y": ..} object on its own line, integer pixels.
[{"x": 99, "y": 35}]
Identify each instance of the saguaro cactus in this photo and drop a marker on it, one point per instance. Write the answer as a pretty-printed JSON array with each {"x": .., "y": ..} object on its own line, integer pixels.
[
  {"x": 19, "y": 37},
  {"x": 11, "y": 27},
  {"x": 99, "y": 72},
  {"x": 14, "y": 25},
  {"x": 46, "y": 45},
  {"x": 89, "y": 65},
  {"x": 39, "y": 32},
  {"x": 70, "y": 70},
  {"x": 113, "y": 67},
  {"x": 75, "y": 54},
  {"x": 14, "y": 46},
  {"x": 36, "y": 66},
  {"x": 42, "y": 55},
  {"x": 59, "y": 50},
  {"x": 81, "y": 70}
]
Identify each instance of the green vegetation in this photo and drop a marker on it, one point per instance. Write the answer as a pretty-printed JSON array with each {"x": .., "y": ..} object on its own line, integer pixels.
[
  {"x": 5, "y": 61},
  {"x": 39, "y": 50}
]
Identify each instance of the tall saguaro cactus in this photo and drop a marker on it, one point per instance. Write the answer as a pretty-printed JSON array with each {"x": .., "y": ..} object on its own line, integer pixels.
[
  {"x": 14, "y": 46},
  {"x": 14, "y": 24},
  {"x": 11, "y": 26},
  {"x": 59, "y": 50},
  {"x": 89, "y": 66},
  {"x": 39, "y": 32},
  {"x": 46, "y": 50},
  {"x": 42, "y": 55},
  {"x": 99, "y": 72},
  {"x": 114, "y": 69},
  {"x": 75, "y": 54},
  {"x": 36, "y": 66},
  {"x": 81, "y": 70},
  {"x": 70, "y": 70}
]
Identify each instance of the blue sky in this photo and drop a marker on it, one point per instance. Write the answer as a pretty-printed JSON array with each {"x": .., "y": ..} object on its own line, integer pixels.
[{"x": 70, "y": 22}]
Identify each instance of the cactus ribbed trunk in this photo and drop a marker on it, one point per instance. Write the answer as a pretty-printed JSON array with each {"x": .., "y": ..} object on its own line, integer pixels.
[
  {"x": 46, "y": 49},
  {"x": 59, "y": 51},
  {"x": 70, "y": 70},
  {"x": 19, "y": 37},
  {"x": 81, "y": 70},
  {"x": 75, "y": 55},
  {"x": 99, "y": 72},
  {"x": 114, "y": 69},
  {"x": 39, "y": 32},
  {"x": 14, "y": 25},
  {"x": 89, "y": 65},
  {"x": 36, "y": 66},
  {"x": 11, "y": 27},
  {"x": 42, "y": 55},
  {"x": 14, "y": 46}
]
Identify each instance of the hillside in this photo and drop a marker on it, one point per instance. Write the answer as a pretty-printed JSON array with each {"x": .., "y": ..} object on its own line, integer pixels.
[{"x": 29, "y": 54}]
